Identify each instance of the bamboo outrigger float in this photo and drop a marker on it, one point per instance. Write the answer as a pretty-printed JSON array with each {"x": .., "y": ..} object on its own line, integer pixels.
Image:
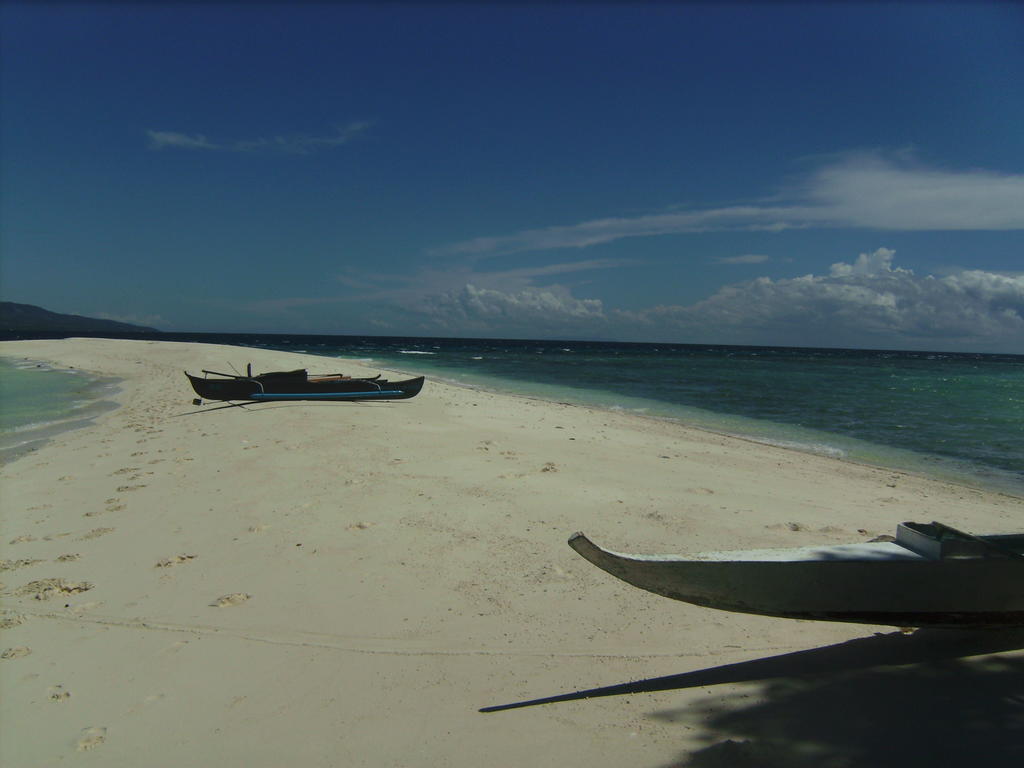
[{"x": 930, "y": 575}]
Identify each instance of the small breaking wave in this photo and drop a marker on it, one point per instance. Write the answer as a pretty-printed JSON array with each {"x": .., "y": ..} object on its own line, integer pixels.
[
  {"x": 36, "y": 426},
  {"x": 819, "y": 449}
]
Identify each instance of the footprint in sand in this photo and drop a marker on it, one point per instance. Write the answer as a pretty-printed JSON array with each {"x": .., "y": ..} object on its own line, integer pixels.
[
  {"x": 235, "y": 598},
  {"x": 68, "y": 558},
  {"x": 126, "y": 488},
  {"x": 83, "y": 607},
  {"x": 9, "y": 620},
  {"x": 167, "y": 562},
  {"x": 10, "y": 565},
  {"x": 16, "y": 653},
  {"x": 58, "y": 694},
  {"x": 94, "y": 533},
  {"x": 174, "y": 647},
  {"x": 21, "y": 539},
  {"x": 45, "y": 589},
  {"x": 91, "y": 737},
  {"x": 111, "y": 508}
]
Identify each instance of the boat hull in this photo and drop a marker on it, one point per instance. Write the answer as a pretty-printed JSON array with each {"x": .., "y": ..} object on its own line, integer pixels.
[
  {"x": 289, "y": 388},
  {"x": 869, "y": 584}
]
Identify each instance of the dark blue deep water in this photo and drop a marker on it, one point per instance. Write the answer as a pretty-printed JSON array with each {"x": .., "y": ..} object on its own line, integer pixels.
[{"x": 956, "y": 416}]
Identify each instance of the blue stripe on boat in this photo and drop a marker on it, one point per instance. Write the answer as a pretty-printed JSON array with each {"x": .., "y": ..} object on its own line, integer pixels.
[{"x": 313, "y": 396}]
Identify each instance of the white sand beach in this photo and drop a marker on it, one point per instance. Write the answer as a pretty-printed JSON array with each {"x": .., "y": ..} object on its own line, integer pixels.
[{"x": 325, "y": 584}]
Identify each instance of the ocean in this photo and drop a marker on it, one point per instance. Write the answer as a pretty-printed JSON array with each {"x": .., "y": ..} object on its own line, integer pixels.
[
  {"x": 37, "y": 403},
  {"x": 953, "y": 416}
]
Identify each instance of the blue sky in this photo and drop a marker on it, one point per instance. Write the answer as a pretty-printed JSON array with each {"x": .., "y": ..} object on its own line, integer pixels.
[{"x": 845, "y": 175}]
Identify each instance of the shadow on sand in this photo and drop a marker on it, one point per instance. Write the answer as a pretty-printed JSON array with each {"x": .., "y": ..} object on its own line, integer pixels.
[
  {"x": 256, "y": 407},
  {"x": 886, "y": 700}
]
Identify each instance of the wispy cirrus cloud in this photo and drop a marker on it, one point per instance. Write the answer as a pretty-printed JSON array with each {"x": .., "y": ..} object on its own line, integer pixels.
[
  {"x": 174, "y": 140},
  {"x": 747, "y": 258},
  {"x": 865, "y": 190},
  {"x": 599, "y": 231},
  {"x": 294, "y": 144}
]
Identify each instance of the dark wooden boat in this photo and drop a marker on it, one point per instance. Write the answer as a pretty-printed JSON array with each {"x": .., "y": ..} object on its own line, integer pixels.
[
  {"x": 929, "y": 575},
  {"x": 300, "y": 385}
]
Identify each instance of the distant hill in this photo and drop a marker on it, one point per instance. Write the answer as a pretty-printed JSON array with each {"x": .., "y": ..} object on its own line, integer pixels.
[{"x": 27, "y": 318}]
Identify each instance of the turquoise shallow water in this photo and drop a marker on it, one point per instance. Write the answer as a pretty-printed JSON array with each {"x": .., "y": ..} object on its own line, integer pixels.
[{"x": 38, "y": 402}]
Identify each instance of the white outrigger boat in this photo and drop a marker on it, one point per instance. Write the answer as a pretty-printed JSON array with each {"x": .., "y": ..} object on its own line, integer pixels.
[{"x": 930, "y": 575}]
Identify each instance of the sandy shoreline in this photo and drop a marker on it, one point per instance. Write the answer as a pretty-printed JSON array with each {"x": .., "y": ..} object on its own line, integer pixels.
[{"x": 346, "y": 584}]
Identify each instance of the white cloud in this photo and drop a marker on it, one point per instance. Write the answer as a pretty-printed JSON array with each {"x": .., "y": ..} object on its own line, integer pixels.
[
  {"x": 600, "y": 231},
  {"x": 747, "y": 258},
  {"x": 866, "y": 303},
  {"x": 543, "y": 311},
  {"x": 294, "y": 144},
  {"x": 405, "y": 289},
  {"x": 173, "y": 140},
  {"x": 302, "y": 144},
  {"x": 463, "y": 300},
  {"x": 858, "y": 190},
  {"x": 867, "y": 264},
  {"x": 868, "y": 190}
]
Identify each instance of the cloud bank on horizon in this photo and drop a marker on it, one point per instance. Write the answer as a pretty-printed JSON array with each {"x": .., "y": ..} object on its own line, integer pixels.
[
  {"x": 867, "y": 302},
  {"x": 868, "y": 298}
]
